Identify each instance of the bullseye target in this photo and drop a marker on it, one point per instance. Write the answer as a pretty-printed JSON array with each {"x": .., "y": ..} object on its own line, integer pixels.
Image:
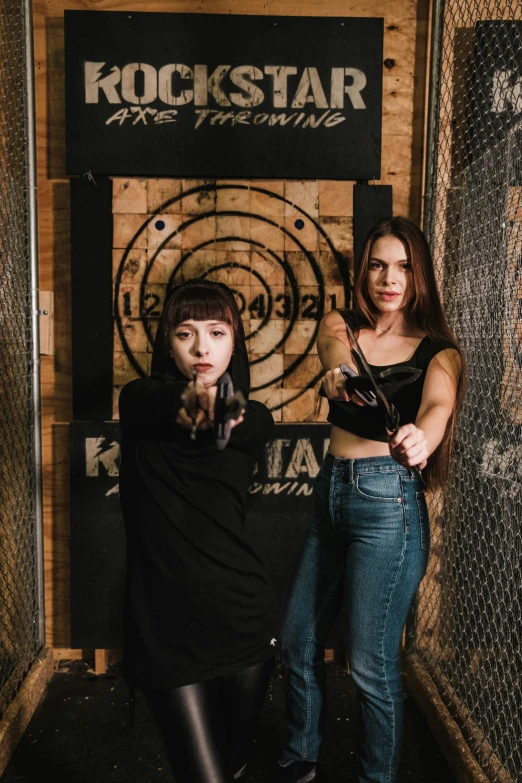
[{"x": 274, "y": 254}]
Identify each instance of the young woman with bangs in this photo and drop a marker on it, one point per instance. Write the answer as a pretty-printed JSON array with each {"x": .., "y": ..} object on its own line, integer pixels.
[
  {"x": 200, "y": 624},
  {"x": 368, "y": 543}
]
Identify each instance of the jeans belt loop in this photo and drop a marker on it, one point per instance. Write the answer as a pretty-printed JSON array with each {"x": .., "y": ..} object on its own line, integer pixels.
[{"x": 350, "y": 471}]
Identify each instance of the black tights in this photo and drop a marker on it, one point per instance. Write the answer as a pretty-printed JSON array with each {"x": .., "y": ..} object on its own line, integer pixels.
[{"x": 208, "y": 727}]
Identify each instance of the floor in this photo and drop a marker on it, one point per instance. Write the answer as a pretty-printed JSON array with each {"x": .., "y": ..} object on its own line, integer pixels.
[{"x": 80, "y": 733}]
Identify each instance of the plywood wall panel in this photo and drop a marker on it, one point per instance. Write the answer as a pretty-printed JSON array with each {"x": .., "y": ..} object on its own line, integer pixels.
[
  {"x": 386, "y": 8},
  {"x": 403, "y": 105},
  {"x": 55, "y": 97}
]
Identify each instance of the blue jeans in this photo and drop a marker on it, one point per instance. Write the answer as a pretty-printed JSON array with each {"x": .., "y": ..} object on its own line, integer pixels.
[{"x": 367, "y": 548}]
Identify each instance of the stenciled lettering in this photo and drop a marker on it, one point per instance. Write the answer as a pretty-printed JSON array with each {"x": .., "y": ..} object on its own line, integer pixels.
[
  {"x": 310, "y": 90},
  {"x": 244, "y": 77},
  {"x": 165, "y": 81},
  {"x": 95, "y": 80},
  {"x": 129, "y": 92},
  {"x": 339, "y": 88},
  {"x": 96, "y": 454},
  {"x": 205, "y": 84},
  {"x": 295, "y": 119},
  {"x": 506, "y": 92},
  {"x": 246, "y": 86},
  {"x": 280, "y": 74},
  {"x": 303, "y": 460}
]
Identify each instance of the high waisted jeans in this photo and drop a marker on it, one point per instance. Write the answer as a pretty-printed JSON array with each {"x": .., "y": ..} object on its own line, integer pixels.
[{"x": 367, "y": 548}]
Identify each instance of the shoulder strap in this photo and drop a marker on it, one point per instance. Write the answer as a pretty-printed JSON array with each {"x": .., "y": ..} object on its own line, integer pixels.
[
  {"x": 428, "y": 348},
  {"x": 351, "y": 318}
]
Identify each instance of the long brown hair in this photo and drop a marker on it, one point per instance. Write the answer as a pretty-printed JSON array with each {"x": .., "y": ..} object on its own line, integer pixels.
[{"x": 425, "y": 313}]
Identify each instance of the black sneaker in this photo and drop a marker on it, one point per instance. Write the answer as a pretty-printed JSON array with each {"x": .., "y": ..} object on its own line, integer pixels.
[{"x": 298, "y": 772}]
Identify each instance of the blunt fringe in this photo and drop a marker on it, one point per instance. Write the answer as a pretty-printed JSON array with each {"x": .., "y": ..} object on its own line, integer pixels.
[
  {"x": 425, "y": 313},
  {"x": 202, "y": 300}
]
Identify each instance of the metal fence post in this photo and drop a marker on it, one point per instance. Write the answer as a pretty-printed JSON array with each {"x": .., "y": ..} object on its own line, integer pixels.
[{"x": 32, "y": 188}]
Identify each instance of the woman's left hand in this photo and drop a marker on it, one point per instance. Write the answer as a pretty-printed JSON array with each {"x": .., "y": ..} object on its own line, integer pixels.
[{"x": 409, "y": 447}]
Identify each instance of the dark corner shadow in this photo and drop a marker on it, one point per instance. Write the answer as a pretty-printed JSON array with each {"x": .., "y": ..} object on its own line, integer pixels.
[
  {"x": 60, "y": 537},
  {"x": 31, "y": 756},
  {"x": 60, "y": 412}
]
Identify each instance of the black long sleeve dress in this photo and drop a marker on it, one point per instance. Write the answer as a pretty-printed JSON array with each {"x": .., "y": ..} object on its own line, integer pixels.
[{"x": 199, "y": 600}]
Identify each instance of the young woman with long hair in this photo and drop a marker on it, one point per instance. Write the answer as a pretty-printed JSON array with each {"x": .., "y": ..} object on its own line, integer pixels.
[
  {"x": 200, "y": 624},
  {"x": 369, "y": 539}
]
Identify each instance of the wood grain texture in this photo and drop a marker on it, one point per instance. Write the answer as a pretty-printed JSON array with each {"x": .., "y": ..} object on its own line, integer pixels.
[
  {"x": 447, "y": 732},
  {"x": 403, "y": 108},
  {"x": 455, "y": 740},
  {"x": 101, "y": 661},
  {"x": 21, "y": 709}
]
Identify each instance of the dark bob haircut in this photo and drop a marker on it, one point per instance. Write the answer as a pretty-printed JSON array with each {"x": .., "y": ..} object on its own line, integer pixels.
[{"x": 202, "y": 300}]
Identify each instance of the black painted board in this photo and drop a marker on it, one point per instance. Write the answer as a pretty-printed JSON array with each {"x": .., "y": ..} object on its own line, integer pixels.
[
  {"x": 371, "y": 203},
  {"x": 496, "y": 78},
  {"x": 91, "y": 283},
  {"x": 280, "y": 500},
  {"x": 97, "y": 537},
  {"x": 279, "y": 510},
  {"x": 223, "y": 95}
]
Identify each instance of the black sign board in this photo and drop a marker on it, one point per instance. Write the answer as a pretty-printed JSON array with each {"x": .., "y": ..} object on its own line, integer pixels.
[
  {"x": 97, "y": 537},
  {"x": 279, "y": 511},
  {"x": 219, "y": 95},
  {"x": 371, "y": 203},
  {"x": 497, "y": 83}
]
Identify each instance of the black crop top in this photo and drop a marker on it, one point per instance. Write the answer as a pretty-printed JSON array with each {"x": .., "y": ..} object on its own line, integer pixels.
[{"x": 367, "y": 422}]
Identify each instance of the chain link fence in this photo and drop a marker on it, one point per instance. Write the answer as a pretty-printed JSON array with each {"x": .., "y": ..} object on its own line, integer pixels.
[
  {"x": 468, "y": 625},
  {"x": 19, "y": 583}
]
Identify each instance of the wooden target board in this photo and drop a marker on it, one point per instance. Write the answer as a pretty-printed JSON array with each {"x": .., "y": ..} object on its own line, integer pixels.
[{"x": 286, "y": 263}]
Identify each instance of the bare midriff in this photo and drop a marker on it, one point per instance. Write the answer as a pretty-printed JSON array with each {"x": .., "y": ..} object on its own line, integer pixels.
[{"x": 349, "y": 446}]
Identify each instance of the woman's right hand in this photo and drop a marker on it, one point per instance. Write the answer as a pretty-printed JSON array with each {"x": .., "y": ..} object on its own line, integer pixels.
[
  {"x": 197, "y": 403},
  {"x": 334, "y": 385}
]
